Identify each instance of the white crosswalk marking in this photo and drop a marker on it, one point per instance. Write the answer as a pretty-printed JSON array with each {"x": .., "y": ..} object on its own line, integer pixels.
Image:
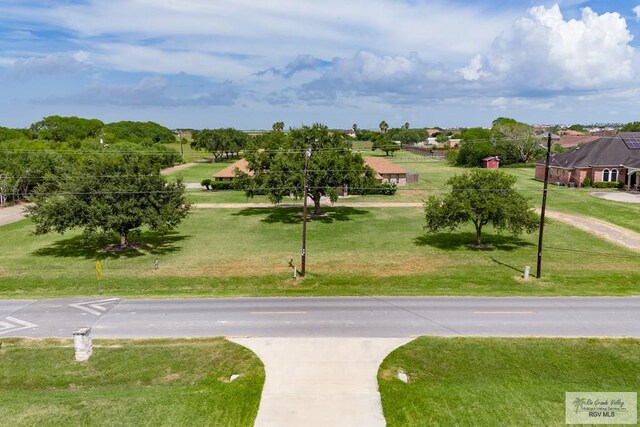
[
  {"x": 11, "y": 324},
  {"x": 94, "y": 307}
]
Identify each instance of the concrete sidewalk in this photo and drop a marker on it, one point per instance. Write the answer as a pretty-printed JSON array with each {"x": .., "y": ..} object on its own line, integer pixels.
[{"x": 321, "y": 381}]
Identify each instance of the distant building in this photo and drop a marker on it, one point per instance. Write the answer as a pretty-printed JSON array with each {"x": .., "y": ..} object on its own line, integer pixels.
[
  {"x": 492, "y": 162},
  {"x": 228, "y": 173},
  {"x": 387, "y": 171}
]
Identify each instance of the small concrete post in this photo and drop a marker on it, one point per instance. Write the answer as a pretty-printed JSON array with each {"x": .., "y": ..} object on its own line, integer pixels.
[
  {"x": 295, "y": 272},
  {"x": 83, "y": 344},
  {"x": 526, "y": 272}
]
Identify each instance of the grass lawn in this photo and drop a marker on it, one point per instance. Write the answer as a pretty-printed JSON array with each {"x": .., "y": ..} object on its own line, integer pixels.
[
  {"x": 190, "y": 155},
  {"x": 200, "y": 171},
  {"x": 433, "y": 175},
  {"x": 351, "y": 251},
  {"x": 125, "y": 382},
  {"x": 501, "y": 381}
]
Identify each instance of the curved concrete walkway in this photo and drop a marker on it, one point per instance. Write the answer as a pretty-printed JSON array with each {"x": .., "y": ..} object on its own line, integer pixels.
[{"x": 321, "y": 381}]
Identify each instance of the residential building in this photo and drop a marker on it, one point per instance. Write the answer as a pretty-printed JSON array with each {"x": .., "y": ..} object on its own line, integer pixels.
[{"x": 605, "y": 159}]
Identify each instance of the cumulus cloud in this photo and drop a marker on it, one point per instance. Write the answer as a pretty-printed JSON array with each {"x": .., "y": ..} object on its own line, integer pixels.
[
  {"x": 543, "y": 51},
  {"x": 636, "y": 10},
  {"x": 149, "y": 91},
  {"x": 395, "y": 78}
]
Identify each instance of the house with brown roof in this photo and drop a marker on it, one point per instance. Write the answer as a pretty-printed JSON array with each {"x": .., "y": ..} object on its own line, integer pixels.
[
  {"x": 606, "y": 159},
  {"x": 229, "y": 173},
  {"x": 387, "y": 171}
]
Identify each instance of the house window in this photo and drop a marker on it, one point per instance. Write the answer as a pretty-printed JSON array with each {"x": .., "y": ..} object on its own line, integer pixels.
[
  {"x": 606, "y": 176},
  {"x": 614, "y": 174}
]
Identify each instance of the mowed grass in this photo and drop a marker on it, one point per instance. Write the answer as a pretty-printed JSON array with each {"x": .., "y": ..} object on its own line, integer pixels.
[
  {"x": 350, "y": 251},
  {"x": 146, "y": 382},
  {"x": 501, "y": 381},
  {"x": 190, "y": 154}
]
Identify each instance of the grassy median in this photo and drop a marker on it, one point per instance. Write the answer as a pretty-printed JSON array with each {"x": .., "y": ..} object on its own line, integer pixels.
[
  {"x": 126, "y": 382},
  {"x": 501, "y": 381}
]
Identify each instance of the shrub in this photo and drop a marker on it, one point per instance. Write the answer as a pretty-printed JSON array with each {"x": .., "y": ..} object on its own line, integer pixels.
[
  {"x": 604, "y": 184},
  {"x": 384, "y": 189},
  {"x": 206, "y": 183},
  {"x": 586, "y": 182},
  {"x": 223, "y": 185}
]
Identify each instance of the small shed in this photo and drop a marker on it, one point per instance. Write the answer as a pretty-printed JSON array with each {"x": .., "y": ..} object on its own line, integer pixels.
[{"x": 492, "y": 162}]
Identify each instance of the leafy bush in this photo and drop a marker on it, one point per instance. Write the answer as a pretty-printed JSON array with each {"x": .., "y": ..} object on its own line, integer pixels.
[
  {"x": 206, "y": 183},
  {"x": 586, "y": 182},
  {"x": 604, "y": 184},
  {"x": 384, "y": 189},
  {"x": 223, "y": 185},
  {"x": 452, "y": 157}
]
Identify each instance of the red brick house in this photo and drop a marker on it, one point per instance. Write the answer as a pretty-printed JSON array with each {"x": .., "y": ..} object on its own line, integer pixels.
[{"x": 606, "y": 159}]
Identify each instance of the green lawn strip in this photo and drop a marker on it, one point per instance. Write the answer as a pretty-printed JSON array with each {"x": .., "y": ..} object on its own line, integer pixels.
[
  {"x": 200, "y": 171},
  {"x": 190, "y": 155},
  {"x": 129, "y": 382},
  {"x": 501, "y": 381},
  {"x": 351, "y": 251}
]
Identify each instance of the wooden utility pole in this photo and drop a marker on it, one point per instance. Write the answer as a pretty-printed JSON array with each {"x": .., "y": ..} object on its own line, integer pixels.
[
  {"x": 304, "y": 213},
  {"x": 544, "y": 205}
]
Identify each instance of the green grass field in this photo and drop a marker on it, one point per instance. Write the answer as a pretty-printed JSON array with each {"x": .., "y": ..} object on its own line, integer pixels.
[
  {"x": 501, "y": 381},
  {"x": 147, "y": 382},
  {"x": 351, "y": 251},
  {"x": 433, "y": 175}
]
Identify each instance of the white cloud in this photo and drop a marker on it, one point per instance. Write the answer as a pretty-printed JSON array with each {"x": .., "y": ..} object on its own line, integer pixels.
[
  {"x": 149, "y": 91},
  {"x": 25, "y": 68},
  {"x": 273, "y": 32},
  {"x": 636, "y": 10},
  {"x": 546, "y": 52}
]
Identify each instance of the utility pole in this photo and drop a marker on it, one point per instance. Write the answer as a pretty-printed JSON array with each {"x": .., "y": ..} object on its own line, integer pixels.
[
  {"x": 544, "y": 205},
  {"x": 304, "y": 213},
  {"x": 181, "y": 149}
]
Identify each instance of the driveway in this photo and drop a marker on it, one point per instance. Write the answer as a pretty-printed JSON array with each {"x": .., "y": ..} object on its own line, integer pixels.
[
  {"x": 619, "y": 196},
  {"x": 11, "y": 214}
]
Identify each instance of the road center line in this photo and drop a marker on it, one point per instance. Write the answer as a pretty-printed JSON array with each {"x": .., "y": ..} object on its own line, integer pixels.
[
  {"x": 503, "y": 312},
  {"x": 269, "y": 313}
]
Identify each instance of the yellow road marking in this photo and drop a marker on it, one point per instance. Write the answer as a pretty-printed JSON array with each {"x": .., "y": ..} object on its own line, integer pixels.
[
  {"x": 503, "y": 312},
  {"x": 277, "y": 312}
]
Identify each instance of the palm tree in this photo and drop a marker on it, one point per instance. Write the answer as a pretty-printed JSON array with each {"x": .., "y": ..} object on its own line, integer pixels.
[{"x": 383, "y": 126}]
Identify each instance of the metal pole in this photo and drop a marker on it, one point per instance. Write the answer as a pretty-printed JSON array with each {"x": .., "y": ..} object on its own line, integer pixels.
[
  {"x": 544, "y": 206},
  {"x": 304, "y": 214}
]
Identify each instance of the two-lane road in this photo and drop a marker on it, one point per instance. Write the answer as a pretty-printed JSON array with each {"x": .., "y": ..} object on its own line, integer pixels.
[{"x": 324, "y": 317}]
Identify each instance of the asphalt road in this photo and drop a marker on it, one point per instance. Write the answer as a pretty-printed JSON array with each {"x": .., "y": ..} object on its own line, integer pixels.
[{"x": 323, "y": 317}]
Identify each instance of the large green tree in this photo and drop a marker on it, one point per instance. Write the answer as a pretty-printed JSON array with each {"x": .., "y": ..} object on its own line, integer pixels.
[
  {"x": 279, "y": 168},
  {"x": 515, "y": 140},
  {"x": 57, "y": 128},
  {"x": 112, "y": 192},
  {"x": 147, "y": 133},
  {"x": 221, "y": 142},
  {"x": 382, "y": 142},
  {"x": 481, "y": 197}
]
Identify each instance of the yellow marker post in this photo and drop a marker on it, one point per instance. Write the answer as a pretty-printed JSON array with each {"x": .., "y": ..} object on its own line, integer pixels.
[{"x": 98, "y": 273}]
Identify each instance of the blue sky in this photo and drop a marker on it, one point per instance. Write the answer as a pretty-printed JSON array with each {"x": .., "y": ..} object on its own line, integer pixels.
[{"x": 247, "y": 64}]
